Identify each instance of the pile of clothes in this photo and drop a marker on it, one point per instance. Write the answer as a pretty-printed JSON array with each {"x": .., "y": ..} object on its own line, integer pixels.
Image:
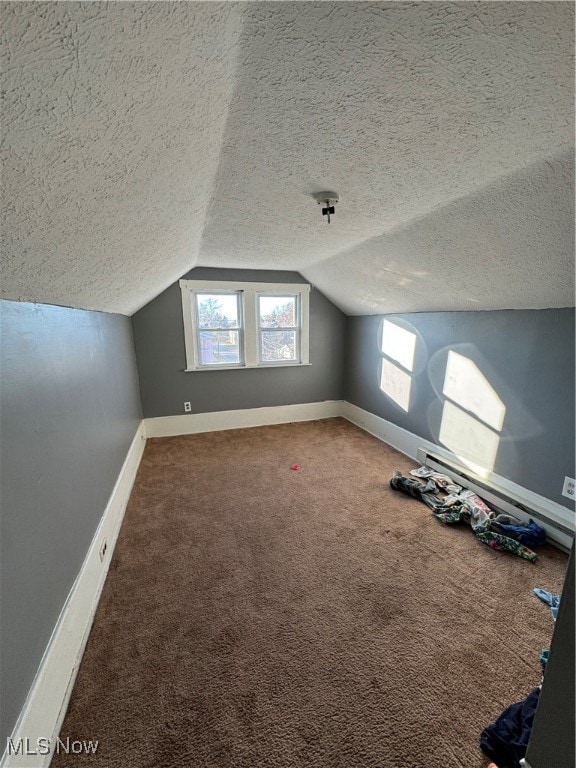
[{"x": 499, "y": 531}]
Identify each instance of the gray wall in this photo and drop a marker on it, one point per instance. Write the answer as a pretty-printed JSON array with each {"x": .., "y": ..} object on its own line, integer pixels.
[
  {"x": 527, "y": 356},
  {"x": 160, "y": 352},
  {"x": 69, "y": 411},
  {"x": 552, "y": 740}
]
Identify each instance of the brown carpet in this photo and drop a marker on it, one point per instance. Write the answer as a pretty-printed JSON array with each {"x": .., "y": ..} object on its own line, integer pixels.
[{"x": 257, "y": 616}]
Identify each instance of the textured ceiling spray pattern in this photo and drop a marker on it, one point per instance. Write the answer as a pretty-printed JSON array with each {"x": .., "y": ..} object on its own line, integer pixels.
[
  {"x": 114, "y": 118},
  {"x": 144, "y": 139},
  {"x": 510, "y": 245}
]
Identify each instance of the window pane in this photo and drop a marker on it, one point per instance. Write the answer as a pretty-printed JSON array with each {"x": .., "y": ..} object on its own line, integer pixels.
[
  {"x": 216, "y": 310},
  {"x": 219, "y": 347},
  {"x": 277, "y": 311},
  {"x": 277, "y": 345}
]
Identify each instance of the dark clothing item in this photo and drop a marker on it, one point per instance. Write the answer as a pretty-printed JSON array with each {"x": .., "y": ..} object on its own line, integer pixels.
[
  {"x": 505, "y": 741},
  {"x": 530, "y": 534}
]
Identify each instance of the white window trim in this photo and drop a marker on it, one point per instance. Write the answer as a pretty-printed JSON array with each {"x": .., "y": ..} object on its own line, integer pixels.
[{"x": 249, "y": 337}]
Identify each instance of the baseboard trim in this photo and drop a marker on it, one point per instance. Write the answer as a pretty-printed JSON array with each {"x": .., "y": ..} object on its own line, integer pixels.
[
  {"x": 47, "y": 701},
  {"x": 397, "y": 437},
  {"x": 194, "y": 423},
  {"x": 410, "y": 444}
]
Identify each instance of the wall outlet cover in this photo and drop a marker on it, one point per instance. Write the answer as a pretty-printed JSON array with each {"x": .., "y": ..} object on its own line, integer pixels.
[
  {"x": 187, "y": 407},
  {"x": 568, "y": 488}
]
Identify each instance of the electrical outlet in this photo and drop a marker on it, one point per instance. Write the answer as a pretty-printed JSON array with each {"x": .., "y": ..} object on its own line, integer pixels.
[
  {"x": 187, "y": 407},
  {"x": 568, "y": 489},
  {"x": 103, "y": 548}
]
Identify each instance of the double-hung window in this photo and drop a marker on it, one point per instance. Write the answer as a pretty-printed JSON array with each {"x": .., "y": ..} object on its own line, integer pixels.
[
  {"x": 278, "y": 328},
  {"x": 218, "y": 323},
  {"x": 244, "y": 325}
]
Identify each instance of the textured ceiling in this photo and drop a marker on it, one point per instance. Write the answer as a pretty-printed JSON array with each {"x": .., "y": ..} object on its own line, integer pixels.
[
  {"x": 112, "y": 132},
  {"x": 143, "y": 139}
]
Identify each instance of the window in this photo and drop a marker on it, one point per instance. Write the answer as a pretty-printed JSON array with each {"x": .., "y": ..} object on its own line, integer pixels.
[
  {"x": 218, "y": 328},
  {"x": 278, "y": 328},
  {"x": 244, "y": 325}
]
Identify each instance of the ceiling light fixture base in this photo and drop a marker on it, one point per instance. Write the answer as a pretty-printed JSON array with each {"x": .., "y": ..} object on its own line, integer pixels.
[{"x": 328, "y": 202}]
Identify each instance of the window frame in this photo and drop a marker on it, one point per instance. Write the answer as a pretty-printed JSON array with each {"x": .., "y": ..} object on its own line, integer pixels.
[
  {"x": 249, "y": 332},
  {"x": 198, "y": 330}
]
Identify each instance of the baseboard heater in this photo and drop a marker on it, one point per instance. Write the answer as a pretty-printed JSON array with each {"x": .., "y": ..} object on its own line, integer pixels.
[{"x": 558, "y": 521}]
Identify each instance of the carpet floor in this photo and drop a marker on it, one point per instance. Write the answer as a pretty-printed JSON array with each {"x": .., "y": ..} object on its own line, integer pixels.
[{"x": 255, "y": 616}]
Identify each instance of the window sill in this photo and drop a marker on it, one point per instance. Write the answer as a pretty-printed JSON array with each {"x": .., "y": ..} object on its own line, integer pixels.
[{"x": 246, "y": 367}]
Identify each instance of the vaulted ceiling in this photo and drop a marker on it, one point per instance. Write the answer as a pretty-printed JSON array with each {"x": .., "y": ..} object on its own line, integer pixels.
[{"x": 143, "y": 139}]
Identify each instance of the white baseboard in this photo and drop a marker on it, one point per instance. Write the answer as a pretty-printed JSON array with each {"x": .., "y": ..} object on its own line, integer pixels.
[
  {"x": 410, "y": 444},
  {"x": 47, "y": 701},
  {"x": 193, "y": 423},
  {"x": 404, "y": 441}
]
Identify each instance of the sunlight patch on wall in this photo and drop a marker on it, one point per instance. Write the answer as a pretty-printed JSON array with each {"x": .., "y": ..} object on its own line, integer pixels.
[
  {"x": 475, "y": 444},
  {"x": 466, "y": 385},
  {"x": 396, "y": 384},
  {"x": 398, "y": 344},
  {"x": 472, "y": 416},
  {"x": 398, "y": 348}
]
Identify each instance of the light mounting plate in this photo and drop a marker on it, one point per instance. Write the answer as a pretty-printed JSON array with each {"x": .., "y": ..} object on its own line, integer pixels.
[{"x": 327, "y": 200}]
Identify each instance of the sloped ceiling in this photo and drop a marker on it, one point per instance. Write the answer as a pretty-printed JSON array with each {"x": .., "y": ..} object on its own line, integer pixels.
[{"x": 144, "y": 139}]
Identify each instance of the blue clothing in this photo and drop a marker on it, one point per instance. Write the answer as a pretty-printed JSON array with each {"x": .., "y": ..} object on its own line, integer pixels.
[
  {"x": 547, "y": 597},
  {"x": 531, "y": 534}
]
